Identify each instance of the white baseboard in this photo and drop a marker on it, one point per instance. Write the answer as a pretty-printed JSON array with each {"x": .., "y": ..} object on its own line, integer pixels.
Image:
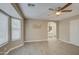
[
  {"x": 3, "y": 44},
  {"x": 13, "y": 49},
  {"x": 5, "y": 53},
  {"x": 69, "y": 43},
  {"x": 35, "y": 40},
  {"x": 65, "y": 41}
]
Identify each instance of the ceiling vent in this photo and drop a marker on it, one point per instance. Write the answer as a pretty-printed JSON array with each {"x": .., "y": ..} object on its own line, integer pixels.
[{"x": 31, "y": 5}]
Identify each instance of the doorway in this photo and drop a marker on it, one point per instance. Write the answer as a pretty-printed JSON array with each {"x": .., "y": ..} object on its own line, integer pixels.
[{"x": 52, "y": 31}]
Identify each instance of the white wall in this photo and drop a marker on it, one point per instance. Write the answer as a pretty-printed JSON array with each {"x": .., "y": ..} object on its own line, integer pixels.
[
  {"x": 74, "y": 32},
  {"x": 36, "y": 30},
  {"x": 69, "y": 30}
]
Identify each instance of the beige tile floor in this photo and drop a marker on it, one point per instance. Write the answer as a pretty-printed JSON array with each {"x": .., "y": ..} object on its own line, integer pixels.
[{"x": 54, "y": 47}]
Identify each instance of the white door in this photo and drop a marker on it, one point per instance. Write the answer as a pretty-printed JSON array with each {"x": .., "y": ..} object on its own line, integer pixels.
[{"x": 74, "y": 32}]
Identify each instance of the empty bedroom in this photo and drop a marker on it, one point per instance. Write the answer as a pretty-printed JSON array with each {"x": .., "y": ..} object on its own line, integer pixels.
[{"x": 39, "y": 28}]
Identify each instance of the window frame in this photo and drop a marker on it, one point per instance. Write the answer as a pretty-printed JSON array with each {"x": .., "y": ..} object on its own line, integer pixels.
[{"x": 9, "y": 28}]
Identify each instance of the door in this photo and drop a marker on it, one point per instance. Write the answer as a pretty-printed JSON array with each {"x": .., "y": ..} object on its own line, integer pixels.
[{"x": 74, "y": 32}]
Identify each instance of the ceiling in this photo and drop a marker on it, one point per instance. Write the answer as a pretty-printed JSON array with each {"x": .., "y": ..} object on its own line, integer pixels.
[
  {"x": 9, "y": 9},
  {"x": 40, "y": 11}
]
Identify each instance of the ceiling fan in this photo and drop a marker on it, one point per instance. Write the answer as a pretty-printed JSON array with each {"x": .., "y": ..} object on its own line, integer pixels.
[{"x": 60, "y": 10}]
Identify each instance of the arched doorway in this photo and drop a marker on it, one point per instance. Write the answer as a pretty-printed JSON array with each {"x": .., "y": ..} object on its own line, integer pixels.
[{"x": 52, "y": 31}]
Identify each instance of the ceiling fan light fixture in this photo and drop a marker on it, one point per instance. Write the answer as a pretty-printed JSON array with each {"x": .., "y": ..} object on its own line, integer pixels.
[{"x": 58, "y": 13}]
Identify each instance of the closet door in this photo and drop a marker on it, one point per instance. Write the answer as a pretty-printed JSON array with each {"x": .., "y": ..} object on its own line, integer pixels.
[
  {"x": 74, "y": 32},
  {"x": 3, "y": 28}
]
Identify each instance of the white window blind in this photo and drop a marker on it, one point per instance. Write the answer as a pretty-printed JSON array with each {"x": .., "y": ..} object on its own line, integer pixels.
[
  {"x": 16, "y": 29},
  {"x": 3, "y": 28}
]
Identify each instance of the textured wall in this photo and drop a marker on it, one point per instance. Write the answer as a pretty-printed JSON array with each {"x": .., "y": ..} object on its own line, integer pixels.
[{"x": 36, "y": 30}]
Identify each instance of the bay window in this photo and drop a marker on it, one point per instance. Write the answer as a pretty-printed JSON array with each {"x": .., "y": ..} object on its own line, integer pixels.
[
  {"x": 3, "y": 28},
  {"x": 16, "y": 29}
]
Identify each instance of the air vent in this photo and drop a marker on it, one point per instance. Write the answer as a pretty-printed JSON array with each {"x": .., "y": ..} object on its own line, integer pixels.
[
  {"x": 31, "y": 5},
  {"x": 51, "y": 9}
]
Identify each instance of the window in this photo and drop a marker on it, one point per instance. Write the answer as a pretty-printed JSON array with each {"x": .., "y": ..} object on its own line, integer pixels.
[
  {"x": 16, "y": 29},
  {"x": 3, "y": 28}
]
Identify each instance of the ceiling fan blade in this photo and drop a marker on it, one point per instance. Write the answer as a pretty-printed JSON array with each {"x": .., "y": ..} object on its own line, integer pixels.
[
  {"x": 68, "y": 4},
  {"x": 66, "y": 11}
]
